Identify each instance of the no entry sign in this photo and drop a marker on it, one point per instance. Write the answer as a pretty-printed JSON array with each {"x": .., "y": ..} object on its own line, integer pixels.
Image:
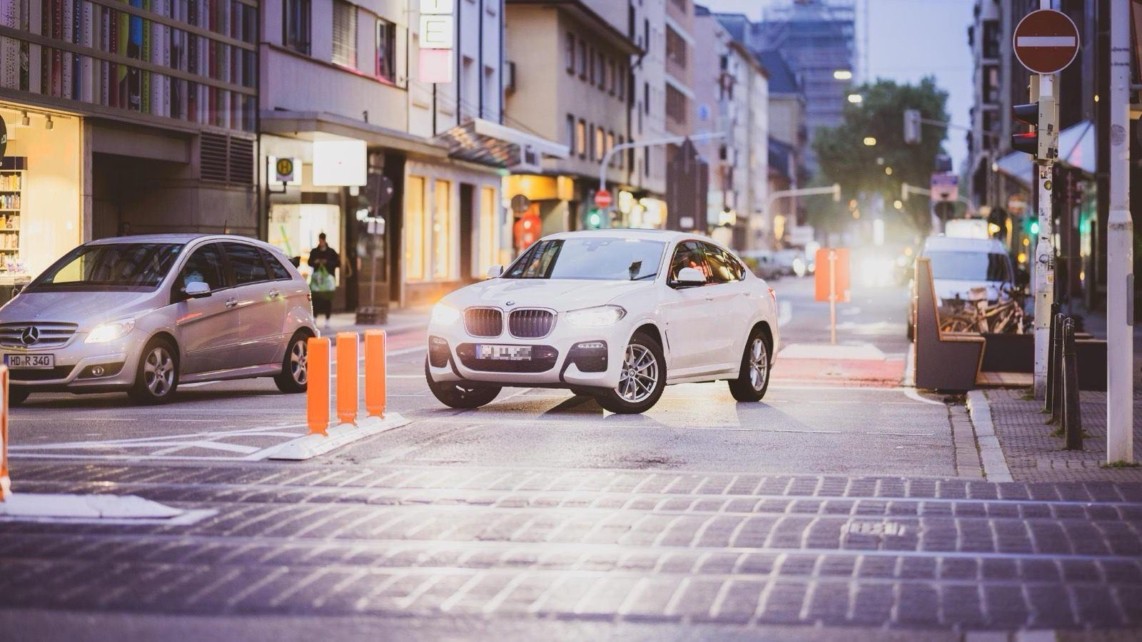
[
  {"x": 1046, "y": 41},
  {"x": 603, "y": 199}
]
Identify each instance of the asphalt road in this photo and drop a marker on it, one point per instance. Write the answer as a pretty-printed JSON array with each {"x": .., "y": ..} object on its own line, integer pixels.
[{"x": 843, "y": 501}]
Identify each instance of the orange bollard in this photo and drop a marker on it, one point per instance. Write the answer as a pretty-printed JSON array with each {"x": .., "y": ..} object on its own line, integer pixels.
[
  {"x": 317, "y": 401},
  {"x": 347, "y": 373},
  {"x": 375, "y": 372},
  {"x": 5, "y": 480}
]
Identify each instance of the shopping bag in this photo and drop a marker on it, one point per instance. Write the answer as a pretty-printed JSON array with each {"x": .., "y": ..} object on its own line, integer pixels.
[{"x": 321, "y": 281}]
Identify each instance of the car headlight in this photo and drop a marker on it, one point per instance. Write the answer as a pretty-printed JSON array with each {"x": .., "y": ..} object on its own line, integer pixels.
[
  {"x": 105, "y": 332},
  {"x": 444, "y": 314},
  {"x": 597, "y": 317}
]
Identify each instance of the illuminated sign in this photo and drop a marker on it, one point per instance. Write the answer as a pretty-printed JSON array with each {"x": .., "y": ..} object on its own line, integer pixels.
[
  {"x": 437, "y": 29},
  {"x": 340, "y": 163}
]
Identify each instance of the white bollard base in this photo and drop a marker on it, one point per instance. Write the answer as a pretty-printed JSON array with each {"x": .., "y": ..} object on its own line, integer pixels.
[{"x": 311, "y": 445}]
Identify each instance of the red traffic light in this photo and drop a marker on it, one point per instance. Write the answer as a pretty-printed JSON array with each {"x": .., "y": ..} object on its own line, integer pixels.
[{"x": 1027, "y": 143}]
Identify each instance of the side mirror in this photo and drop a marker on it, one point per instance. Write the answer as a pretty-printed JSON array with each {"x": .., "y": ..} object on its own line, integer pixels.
[
  {"x": 495, "y": 271},
  {"x": 197, "y": 290},
  {"x": 690, "y": 276}
]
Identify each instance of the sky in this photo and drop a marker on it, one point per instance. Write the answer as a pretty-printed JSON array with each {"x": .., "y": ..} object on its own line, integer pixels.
[{"x": 907, "y": 40}]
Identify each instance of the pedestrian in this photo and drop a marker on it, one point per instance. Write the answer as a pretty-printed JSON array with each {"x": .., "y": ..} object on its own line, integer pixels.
[{"x": 323, "y": 282}]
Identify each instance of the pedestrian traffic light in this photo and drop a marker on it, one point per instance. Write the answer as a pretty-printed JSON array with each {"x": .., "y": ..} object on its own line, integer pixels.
[{"x": 594, "y": 218}]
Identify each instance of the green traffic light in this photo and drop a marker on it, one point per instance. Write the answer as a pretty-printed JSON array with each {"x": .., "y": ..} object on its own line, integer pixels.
[
  {"x": 1034, "y": 227},
  {"x": 594, "y": 220}
]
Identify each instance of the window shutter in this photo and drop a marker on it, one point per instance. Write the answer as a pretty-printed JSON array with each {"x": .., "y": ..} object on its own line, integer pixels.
[{"x": 344, "y": 34}]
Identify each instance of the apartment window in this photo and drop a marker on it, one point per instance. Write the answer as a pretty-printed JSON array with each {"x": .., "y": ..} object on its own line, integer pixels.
[
  {"x": 611, "y": 144},
  {"x": 296, "y": 25},
  {"x": 581, "y": 138},
  {"x": 646, "y": 97},
  {"x": 675, "y": 105},
  {"x": 675, "y": 48},
  {"x": 602, "y": 72},
  {"x": 590, "y": 142},
  {"x": 386, "y": 50},
  {"x": 621, "y": 81},
  {"x": 600, "y": 144},
  {"x": 646, "y": 161},
  {"x": 570, "y": 53},
  {"x": 582, "y": 59},
  {"x": 571, "y": 142},
  {"x": 622, "y": 157},
  {"x": 344, "y": 34},
  {"x": 679, "y": 4},
  {"x": 991, "y": 39},
  {"x": 611, "y": 67},
  {"x": 591, "y": 71}
]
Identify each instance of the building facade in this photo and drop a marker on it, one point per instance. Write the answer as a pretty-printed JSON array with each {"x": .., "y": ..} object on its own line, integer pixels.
[
  {"x": 571, "y": 85},
  {"x": 137, "y": 116}
]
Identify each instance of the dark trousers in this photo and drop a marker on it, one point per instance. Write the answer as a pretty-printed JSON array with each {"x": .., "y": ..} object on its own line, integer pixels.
[{"x": 322, "y": 304}]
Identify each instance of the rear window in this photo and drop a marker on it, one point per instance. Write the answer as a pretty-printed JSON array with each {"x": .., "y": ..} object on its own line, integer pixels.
[{"x": 970, "y": 266}]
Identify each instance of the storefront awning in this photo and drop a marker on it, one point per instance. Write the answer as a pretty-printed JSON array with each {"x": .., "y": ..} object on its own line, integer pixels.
[
  {"x": 482, "y": 141},
  {"x": 1076, "y": 149},
  {"x": 306, "y": 125}
]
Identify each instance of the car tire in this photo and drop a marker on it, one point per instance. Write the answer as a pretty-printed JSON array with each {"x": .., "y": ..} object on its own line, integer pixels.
[
  {"x": 157, "y": 378},
  {"x": 455, "y": 395},
  {"x": 642, "y": 381},
  {"x": 294, "y": 377},
  {"x": 753, "y": 377},
  {"x": 17, "y": 396}
]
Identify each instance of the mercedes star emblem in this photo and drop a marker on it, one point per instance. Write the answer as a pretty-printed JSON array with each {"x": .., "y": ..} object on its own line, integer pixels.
[{"x": 30, "y": 336}]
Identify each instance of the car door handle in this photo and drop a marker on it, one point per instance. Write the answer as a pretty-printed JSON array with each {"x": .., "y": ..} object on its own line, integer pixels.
[
  {"x": 274, "y": 294},
  {"x": 230, "y": 303}
]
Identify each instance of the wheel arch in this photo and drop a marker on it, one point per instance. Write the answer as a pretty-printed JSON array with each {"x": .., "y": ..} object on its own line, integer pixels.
[{"x": 766, "y": 336}]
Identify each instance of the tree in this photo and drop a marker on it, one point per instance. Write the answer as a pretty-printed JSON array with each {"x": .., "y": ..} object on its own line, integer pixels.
[{"x": 882, "y": 168}]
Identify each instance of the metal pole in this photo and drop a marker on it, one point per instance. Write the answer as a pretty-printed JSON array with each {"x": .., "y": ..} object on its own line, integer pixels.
[
  {"x": 673, "y": 140},
  {"x": 833, "y": 296},
  {"x": 1044, "y": 254},
  {"x": 1120, "y": 250}
]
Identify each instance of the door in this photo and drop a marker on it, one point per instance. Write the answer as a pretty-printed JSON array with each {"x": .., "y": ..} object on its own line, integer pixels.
[
  {"x": 207, "y": 327},
  {"x": 729, "y": 302},
  {"x": 684, "y": 313},
  {"x": 261, "y": 306}
]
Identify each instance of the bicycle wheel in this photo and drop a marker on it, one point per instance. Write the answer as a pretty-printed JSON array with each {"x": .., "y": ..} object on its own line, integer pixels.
[{"x": 957, "y": 323}]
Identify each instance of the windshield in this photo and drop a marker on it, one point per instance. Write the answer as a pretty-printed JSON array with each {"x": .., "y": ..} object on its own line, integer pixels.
[
  {"x": 596, "y": 258},
  {"x": 970, "y": 266},
  {"x": 117, "y": 266}
]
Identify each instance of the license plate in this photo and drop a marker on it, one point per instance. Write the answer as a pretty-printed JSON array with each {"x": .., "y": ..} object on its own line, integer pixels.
[
  {"x": 503, "y": 353},
  {"x": 30, "y": 361}
]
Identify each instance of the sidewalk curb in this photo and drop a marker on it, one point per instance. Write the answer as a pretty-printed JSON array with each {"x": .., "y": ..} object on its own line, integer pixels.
[
  {"x": 314, "y": 445},
  {"x": 990, "y": 453}
]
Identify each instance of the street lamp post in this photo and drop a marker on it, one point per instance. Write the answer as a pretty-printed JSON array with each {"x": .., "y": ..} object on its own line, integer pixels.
[{"x": 673, "y": 140}]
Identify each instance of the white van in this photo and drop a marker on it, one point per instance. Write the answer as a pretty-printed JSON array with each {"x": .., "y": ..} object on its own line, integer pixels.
[{"x": 960, "y": 265}]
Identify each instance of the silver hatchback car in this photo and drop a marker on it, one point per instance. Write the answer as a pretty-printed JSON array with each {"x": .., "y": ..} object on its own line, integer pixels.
[{"x": 146, "y": 313}]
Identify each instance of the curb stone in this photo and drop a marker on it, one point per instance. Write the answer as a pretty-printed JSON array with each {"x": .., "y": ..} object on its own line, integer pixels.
[{"x": 990, "y": 453}]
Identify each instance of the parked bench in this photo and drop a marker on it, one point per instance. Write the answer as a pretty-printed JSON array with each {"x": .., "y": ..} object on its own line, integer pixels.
[{"x": 944, "y": 360}]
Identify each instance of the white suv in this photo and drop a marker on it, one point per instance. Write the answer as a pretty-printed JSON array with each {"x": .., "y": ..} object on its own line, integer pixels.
[{"x": 961, "y": 265}]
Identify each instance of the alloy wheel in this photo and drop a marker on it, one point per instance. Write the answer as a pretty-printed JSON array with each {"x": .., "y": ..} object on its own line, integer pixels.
[
  {"x": 158, "y": 372},
  {"x": 639, "y": 376},
  {"x": 298, "y": 363},
  {"x": 758, "y": 364}
]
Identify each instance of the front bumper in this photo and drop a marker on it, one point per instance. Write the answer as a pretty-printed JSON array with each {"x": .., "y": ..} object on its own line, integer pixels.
[
  {"x": 579, "y": 357},
  {"x": 79, "y": 367}
]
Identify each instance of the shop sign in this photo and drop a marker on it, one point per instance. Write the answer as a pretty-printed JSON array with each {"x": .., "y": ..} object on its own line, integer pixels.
[
  {"x": 340, "y": 163},
  {"x": 437, "y": 29},
  {"x": 286, "y": 170}
]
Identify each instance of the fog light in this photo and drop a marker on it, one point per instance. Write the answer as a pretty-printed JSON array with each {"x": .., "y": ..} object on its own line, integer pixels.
[{"x": 592, "y": 345}]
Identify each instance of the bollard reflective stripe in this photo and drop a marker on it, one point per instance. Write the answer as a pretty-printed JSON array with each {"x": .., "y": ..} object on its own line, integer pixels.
[
  {"x": 376, "y": 371},
  {"x": 347, "y": 373},
  {"x": 317, "y": 394},
  {"x": 5, "y": 479}
]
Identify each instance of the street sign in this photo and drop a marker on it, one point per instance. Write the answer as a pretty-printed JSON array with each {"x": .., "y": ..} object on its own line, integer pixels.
[
  {"x": 1046, "y": 41},
  {"x": 286, "y": 170},
  {"x": 945, "y": 187},
  {"x": 603, "y": 199}
]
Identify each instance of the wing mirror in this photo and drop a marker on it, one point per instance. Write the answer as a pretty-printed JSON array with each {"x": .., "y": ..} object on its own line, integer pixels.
[
  {"x": 690, "y": 276},
  {"x": 197, "y": 290},
  {"x": 495, "y": 271}
]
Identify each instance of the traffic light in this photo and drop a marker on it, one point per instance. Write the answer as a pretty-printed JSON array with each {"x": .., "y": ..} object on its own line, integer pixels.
[
  {"x": 594, "y": 218},
  {"x": 911, "y": 125},
  {"x": 1042, "y": 116}
]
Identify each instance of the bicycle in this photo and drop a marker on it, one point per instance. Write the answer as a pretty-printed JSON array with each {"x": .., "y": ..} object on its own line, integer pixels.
[{"x": 1005, "y": 316}]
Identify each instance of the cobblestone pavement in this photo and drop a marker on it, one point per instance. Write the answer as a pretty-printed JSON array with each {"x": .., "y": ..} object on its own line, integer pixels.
[
  {"x": 1035, "y": 454},
  {"x": 694, "y": 550}
]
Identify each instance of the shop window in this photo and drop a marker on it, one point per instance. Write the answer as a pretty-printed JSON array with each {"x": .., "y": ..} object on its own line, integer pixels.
[
  {"x": 386, "y": 50},
  {"x": 344, "y": 34},
  {"x": 296, "y": 25},
  {"x": 415, "y": 225},
  {"x": 489, "y": 230},
  {"x": 442, "y": 232}
]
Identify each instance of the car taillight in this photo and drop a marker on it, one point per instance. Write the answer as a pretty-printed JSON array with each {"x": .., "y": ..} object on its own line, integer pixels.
[{"x": 773, "y": 295}]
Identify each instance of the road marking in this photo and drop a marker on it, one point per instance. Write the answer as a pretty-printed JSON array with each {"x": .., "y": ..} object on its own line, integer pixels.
[{"x": 915, "y": 396}]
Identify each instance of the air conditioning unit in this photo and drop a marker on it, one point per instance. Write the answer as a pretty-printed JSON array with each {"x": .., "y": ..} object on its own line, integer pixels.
[{"x": 509, "y": 78}]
